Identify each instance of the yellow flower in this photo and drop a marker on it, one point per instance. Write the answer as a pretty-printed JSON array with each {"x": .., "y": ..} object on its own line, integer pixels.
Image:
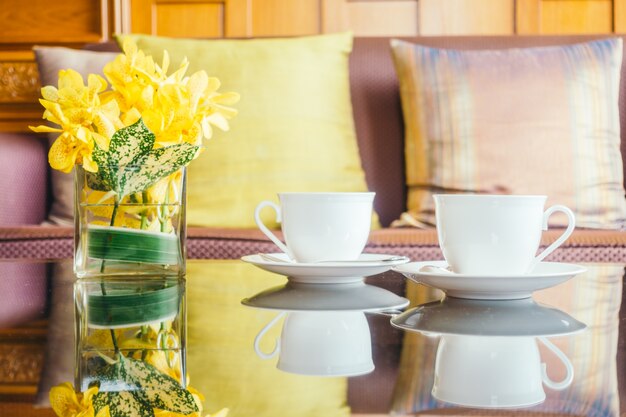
[
  {"x": 175, "y": 108},
  {"x": 82, "y": 119},
  {"x": 67, "y": 403}
]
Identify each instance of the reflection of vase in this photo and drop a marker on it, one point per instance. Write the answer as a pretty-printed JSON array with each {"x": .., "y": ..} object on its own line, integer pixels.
[
  {"x": 143, "y": 320},
  {"x": 135, "y": 234}
]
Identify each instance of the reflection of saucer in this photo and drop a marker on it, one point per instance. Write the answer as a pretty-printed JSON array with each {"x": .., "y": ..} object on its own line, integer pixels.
[
  {"x": 327, "y": 272},
  {"x": 353, "y": 296},
  {"x": 544, "y": 275},
  {"x": 524, "y": 317}
]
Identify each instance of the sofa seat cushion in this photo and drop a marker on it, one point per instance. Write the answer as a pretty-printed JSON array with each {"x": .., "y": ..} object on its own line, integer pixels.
[{"x": 585, "y": 245}]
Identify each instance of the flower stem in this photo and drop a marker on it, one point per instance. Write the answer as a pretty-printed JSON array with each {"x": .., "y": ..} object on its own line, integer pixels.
[{"x": 102, "y": 288}]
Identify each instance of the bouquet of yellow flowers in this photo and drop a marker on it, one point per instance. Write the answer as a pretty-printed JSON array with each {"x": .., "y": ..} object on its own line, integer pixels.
[{"x": 129, "y": 136}]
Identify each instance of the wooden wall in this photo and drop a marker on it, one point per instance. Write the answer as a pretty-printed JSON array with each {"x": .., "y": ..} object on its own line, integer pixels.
[{"x": 76, "y": 22}]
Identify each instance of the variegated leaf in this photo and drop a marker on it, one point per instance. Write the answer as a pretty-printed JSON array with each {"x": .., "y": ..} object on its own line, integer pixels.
[
  {"x": 100, "y": 400},
  {"x": 159, "y": 163},
  {"x": 123, "y": 404},
  {"x": 101, "y": 180},
  {"x": 161, "y": 390},
  {"x": 114, "y": 377},
  {"x": 128, "y": 149},
  {"x": 97, "y": 182},
  {"x": 129, "y": 143}
]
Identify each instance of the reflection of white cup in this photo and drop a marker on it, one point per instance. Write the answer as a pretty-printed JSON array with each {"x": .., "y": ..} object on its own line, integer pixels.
[
  {"x": 509, "y": 371},
  {"x": 321, "y": 344},
  {"x": 321, "y": 226},
  {"x": 495, "y": 234}
]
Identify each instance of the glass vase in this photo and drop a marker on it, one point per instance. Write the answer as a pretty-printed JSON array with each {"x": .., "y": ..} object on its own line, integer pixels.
[
  {"x": 138, "y": 233},
  {"x": 124, "y": 325}
]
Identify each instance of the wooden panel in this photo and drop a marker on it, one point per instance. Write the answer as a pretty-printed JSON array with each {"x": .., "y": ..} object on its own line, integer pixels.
[
  {"x": 527, "y": 16},
  {"x": 619, "y": 16},
  {"x": 59, "y": 21},
  {"x": 576, "y": 16},
  {"x": 141, "y": 16},
  {"x": 285, "y": 17},
  {"x": 192, "y": 20},
  {"x": 371, "y": 18},
  {"x": 464, "y": 17}
]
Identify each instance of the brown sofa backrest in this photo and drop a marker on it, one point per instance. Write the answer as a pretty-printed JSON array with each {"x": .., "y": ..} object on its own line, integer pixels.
[{"x": 377, "y": 110}]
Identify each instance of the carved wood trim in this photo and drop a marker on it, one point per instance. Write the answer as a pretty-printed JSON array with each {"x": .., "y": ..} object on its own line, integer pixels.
[
  {"x": 19, "y": 82},
  {"x": 22, "y": 352}
]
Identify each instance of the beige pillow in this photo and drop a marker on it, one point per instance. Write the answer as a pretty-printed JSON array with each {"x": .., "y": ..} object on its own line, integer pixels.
[
  {"x": 541, "y": 120},
  {"x": 50, "y": 60}
]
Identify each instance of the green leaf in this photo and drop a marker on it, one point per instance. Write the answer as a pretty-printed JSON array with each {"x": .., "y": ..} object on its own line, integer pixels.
[
  {"x": 161, "y": 390},
  {"x": 131, "y": 165},
  {"x": 114, "y": 377},
  {"x": 130, "y": 143},
  {"x": 128, "y": 148},
  {"x": 159, "y": 163},
  {"x": 123, "y": 404}
]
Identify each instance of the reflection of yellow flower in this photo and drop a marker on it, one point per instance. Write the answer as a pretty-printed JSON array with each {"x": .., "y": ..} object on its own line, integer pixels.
[{"x": 67, "y": 403}]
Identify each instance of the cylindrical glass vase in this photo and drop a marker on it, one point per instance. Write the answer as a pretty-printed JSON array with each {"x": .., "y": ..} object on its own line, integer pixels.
[
  {"x": 124, "y": 325},
  {"x": 135, "y": 229}
]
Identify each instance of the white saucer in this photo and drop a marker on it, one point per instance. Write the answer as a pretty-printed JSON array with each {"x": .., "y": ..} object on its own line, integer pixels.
[
  {"x": 352, "y": 296},
  {"x": 544, "y": 275},
  {"x": 327, "y": 272},
  {"x": 524, "y": 317}
]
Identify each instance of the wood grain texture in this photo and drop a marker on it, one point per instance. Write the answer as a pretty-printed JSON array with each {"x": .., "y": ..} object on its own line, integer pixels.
[
  {"x": 59, "y": 21},
  {"x": 285, "y": 17},
  {"x": 527, "y": 17},
  {"x": 371, "y": 17},
  {"x": 619, "y": 16},
  {"x": 190, "y": 20},
  {"x": 464, "y": 17},
  {"x": 576, "y": 16}
]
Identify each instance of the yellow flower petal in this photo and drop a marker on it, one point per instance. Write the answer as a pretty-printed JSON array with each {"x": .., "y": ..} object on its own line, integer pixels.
[
  {"x": 62, "y": 154},
  {"x": 44, "y": 129},
  {"x": 63, "y": 400}
]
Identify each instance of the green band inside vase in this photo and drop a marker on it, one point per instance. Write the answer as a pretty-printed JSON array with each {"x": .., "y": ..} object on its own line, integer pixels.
[
  {"x": 132, "y": 245},
  {"x": 124, "y": 307}
]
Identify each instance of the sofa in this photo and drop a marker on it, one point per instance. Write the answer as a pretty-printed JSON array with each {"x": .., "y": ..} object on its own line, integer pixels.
[
  {"x": 25, "y": 177},
  {"x": 26, "y": 190}
]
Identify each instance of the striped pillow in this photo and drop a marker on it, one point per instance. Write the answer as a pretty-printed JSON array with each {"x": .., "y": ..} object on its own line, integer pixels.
[{"x": 538, "y": 120}]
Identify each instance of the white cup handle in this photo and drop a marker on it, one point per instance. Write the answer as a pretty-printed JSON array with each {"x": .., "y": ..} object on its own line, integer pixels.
[
  {"x": 265, "y": 329},
  {"x": 571, "y": 223},
  {"x": 558, "y": 386},
  {"x": 265, "y": 230}
]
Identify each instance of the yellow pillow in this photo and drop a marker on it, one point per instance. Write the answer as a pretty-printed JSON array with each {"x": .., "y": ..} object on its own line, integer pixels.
[
  {"x": 294, "y": 130},
  {"x": 221, "y": 361}
]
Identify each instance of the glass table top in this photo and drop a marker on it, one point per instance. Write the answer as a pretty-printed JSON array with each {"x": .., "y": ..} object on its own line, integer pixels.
[{"x": 262, "y": 346}]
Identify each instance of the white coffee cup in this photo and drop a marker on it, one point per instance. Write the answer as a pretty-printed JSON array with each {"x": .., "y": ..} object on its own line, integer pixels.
[
  {"x": 321, "y": 226},
  {"x": 321, "y": 343},
  {"x": 495, "y": 234},
  {"x": 494, "y": 371}
]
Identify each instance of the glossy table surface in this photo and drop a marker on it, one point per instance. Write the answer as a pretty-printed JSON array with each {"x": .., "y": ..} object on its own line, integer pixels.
[{"x": 441, "y": 356}]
